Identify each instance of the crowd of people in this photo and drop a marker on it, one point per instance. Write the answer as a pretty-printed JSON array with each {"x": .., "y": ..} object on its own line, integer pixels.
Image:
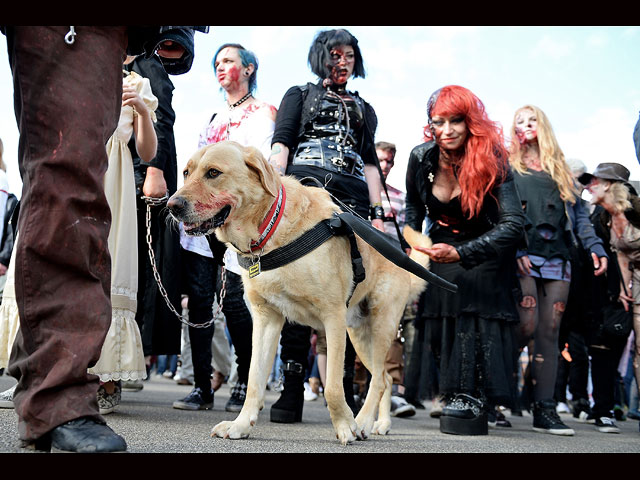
[{"x": 541, "y": 274}]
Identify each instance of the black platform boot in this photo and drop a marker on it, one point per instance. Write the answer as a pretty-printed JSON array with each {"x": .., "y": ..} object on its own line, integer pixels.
[
  {"x": 288, "y": 408},
  {"x": 464, "y": 415}
]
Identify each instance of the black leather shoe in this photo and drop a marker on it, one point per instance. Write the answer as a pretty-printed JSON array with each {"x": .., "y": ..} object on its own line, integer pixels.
[
  {"x": 85, "y": 435},
  {"x": 82, "y": 435}
]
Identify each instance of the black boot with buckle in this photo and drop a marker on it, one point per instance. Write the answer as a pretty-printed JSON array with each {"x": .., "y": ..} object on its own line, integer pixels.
[
  {"x": 464, "y": 415},
  {"x": 288, "y": 408}
]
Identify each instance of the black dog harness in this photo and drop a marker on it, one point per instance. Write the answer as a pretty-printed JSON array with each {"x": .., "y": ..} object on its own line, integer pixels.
[
  {"x": 341, "y": 224},
  {"x": 344, "y": 223},
  {"x": 305, "y": 243}
]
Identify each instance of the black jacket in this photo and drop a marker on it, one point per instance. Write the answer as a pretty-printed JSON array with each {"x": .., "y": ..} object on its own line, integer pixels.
[
  {"x": 166, "y": 156},
  {"x": 604, "y": 289},
  {"x": 503, "y": 221}
]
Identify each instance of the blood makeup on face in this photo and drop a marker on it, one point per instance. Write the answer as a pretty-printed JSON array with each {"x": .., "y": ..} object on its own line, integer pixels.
[
  {"x": 228, "y": 65},
  {"x": 216, "y": 204},
  {"x": 522, "y": 136},
  {"x": 233, "y": 73},
  {"x": 526, "y": 126},
  {"x": 342, "y": 63}
]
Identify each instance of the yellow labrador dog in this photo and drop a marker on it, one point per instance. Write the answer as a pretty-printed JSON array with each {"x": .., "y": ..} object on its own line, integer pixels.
[{"x": 233, "y": 191}]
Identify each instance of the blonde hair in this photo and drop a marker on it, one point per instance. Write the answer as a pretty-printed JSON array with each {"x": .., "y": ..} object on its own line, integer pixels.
[
  {"x": 620, "y": 198},
  {"x": 551, "y": 156}
]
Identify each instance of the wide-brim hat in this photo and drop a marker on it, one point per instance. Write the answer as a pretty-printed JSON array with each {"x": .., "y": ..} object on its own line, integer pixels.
[{"x": 609, "y": 171}]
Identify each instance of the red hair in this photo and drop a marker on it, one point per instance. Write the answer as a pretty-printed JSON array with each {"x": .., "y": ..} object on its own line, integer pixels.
[{"x": 484, "y": 161}]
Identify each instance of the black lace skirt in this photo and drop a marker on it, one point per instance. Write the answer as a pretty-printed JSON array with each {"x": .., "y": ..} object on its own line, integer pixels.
[
  {"x": 478, "y": 352},
  {"x": 478, "y": 356}
]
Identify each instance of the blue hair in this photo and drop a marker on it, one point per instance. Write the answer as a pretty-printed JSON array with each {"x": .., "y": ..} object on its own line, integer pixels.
[{"x": 247, "y": 57}]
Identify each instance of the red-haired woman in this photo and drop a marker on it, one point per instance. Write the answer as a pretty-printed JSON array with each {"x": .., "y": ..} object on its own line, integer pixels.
[{"x": 460, "y": 180}]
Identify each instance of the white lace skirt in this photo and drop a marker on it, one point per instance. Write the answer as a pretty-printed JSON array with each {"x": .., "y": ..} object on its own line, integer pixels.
[
  {"x": 122, "y": 357},
  {"x": 9, "y": 318}
]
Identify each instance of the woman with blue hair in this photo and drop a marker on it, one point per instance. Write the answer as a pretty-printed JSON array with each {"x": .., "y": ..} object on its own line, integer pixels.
[
  {"x": 246, "y": 119},
  {"x": 250, "y": 122}
]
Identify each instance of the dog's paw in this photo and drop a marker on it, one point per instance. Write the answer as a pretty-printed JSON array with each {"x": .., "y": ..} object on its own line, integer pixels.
[
  {"x": 346, "y": 433},
  {"x": 381, "y": 427},
  {"x": 231, "y": 430},
  {"x": 363, "y": 430}
]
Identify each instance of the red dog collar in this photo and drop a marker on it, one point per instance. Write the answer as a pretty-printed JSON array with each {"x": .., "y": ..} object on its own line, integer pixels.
[{"x": 271, "y": 221}]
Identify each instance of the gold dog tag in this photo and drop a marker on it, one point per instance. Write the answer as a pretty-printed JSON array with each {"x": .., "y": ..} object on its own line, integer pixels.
[{"x": 254, "y": 270}]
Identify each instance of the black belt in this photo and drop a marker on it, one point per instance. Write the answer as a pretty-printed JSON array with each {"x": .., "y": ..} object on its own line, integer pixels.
[{"x": 329, "y": 155}]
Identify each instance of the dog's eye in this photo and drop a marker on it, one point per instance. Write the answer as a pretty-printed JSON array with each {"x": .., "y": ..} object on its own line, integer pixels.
[
  {"x": 185, "y": 174},
  {"x": 213, "y": 173}
]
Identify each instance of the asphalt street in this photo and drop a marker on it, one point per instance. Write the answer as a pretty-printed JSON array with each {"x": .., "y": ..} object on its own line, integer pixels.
[{"x": 149, "y": 424}]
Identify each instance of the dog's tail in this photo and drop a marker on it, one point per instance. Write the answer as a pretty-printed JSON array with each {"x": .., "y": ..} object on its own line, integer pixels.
[{"x": 414, "y": 238}]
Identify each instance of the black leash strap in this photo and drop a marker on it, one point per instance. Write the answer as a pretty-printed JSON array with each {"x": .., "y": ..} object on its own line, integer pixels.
[
  {"x": 384, "y": 246},
  {"x": 344, "y": 224},
  {"x": 341, "y": 228}
]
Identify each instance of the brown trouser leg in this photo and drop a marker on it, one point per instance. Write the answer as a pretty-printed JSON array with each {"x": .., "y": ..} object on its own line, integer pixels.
[
  {"x": 67, "y": 103},
  {"x": 394, "y": 362}
]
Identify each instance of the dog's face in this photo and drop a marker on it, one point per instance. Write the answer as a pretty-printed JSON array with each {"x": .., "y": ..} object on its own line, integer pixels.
[{"x": 219, "y": 180}]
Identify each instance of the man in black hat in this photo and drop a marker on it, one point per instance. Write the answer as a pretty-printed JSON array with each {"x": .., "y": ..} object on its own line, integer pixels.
[
  {"x": 609, "y": 171},
  {"x": 612, "y": 211},
  {"x": 614, "y": 172}
]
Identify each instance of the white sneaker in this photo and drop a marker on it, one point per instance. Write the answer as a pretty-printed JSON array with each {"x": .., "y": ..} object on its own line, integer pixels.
[
  {"x": 562, "y": 408},
  {"x": 401, "y": 408},
  {"x": 6, "y": 398},
  {"x": 309, "y": 395}
]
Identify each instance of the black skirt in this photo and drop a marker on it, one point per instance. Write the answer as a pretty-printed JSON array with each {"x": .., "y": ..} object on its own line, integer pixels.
[{"x": 478, "y": 353}]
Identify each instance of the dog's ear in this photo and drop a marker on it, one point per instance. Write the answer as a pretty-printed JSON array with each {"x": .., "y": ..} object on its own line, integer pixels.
[{"x": 269, "y": 178}]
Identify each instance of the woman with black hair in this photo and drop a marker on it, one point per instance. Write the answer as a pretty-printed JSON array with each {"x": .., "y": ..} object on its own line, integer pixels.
[{"x": 326, "y": 132}]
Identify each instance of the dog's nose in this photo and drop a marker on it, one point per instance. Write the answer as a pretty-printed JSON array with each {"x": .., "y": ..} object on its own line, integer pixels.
[{"x": 177, "y": 204}]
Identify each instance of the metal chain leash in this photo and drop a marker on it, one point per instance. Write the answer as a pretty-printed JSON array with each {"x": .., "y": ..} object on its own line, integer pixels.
[{"x": 155, "y": 202}]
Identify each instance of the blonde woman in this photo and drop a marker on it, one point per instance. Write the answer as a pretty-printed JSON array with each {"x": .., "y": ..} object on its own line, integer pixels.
[{"x": 554, "y": 218}]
